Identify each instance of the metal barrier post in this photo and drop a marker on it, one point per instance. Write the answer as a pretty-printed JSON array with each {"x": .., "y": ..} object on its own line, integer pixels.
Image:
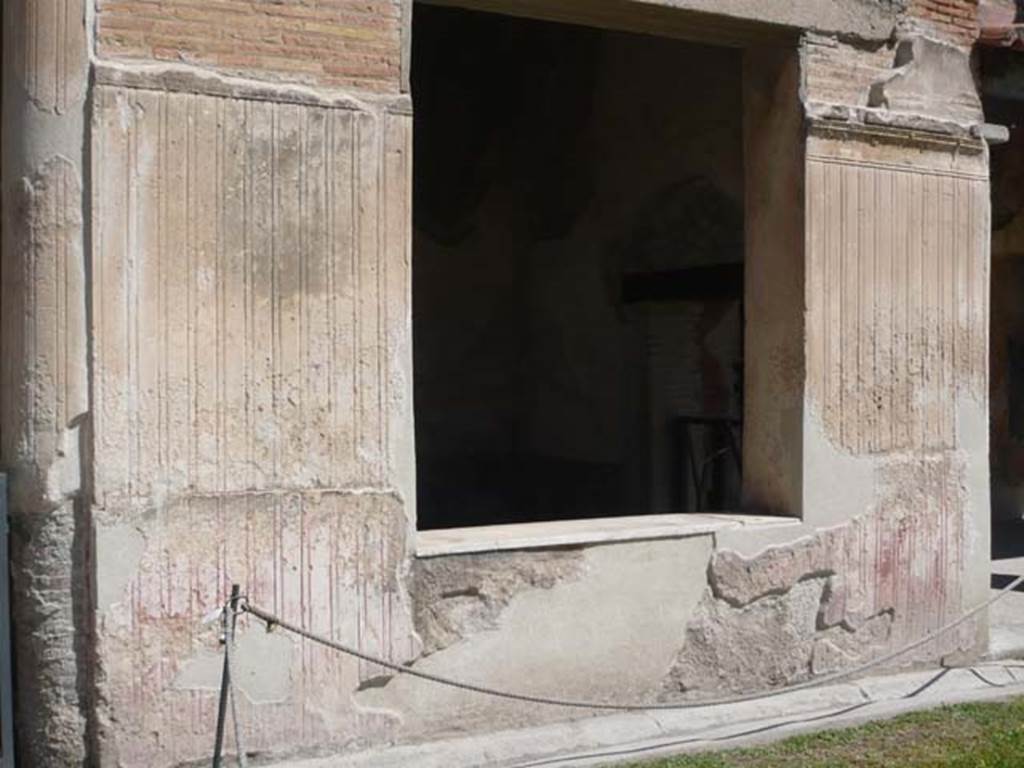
[
  {"x": 6, "y": 688},
  {"x": 225, "y": 677}
]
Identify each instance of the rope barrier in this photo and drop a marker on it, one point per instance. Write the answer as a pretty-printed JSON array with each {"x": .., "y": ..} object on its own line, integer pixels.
[{"x": 243, "y": 606}]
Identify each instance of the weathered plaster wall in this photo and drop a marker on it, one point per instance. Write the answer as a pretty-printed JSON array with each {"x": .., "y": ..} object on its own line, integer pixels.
[
  {"x": 894, "y": 400},
  {"x": 839, "y": 595},
  {"x": 592, "y": 623},
  {"x": 241, "y": 409},
  {"x": 253, "y": 424},
  {"x": 332, "y": 561},
  {"x": 251, "y": 367},
  {"x": 897, "y": 290},
  {"x": 307, "y": 500},
  {"x": 880, "y": 375},
  {"x": 251, "y": 313},
  {"x": 43, "y": 377},
  {"x": 899, "y": 406},
  {"x": 867, "y": 371}
]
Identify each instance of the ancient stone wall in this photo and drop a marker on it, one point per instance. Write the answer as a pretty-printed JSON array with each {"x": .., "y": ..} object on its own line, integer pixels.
[
  {"x": 44, "y": 419},
  {"x": 893, "y": 446},
  {"x": 353, "y": 43},
  {"x": 207, "y": 379},
  {"x": 888, "y": 370},
  {"x": 250, "y": 269},
  {"x": 591, "y": 623},
  {"x": 251, "y": 377},
  {"x": 224, "y": 403},
  {"x": 952, "y": 20},
  {"x": 841, "y": 72}
]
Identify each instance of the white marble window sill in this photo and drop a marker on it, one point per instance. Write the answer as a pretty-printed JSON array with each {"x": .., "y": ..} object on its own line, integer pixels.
[{"x": 561, "y": 533}]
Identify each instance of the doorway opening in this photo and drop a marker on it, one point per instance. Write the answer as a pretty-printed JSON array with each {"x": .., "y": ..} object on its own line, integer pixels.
[{"x": 577, "y": 271}]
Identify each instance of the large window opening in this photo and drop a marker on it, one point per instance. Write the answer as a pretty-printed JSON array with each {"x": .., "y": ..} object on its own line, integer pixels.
[{"x": 577, "y": 271}]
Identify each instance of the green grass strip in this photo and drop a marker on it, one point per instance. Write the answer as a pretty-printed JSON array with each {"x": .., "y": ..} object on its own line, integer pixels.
[{"x": 987, "y": 735}]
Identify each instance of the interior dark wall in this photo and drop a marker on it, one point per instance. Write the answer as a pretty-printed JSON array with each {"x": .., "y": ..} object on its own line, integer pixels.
[
  {"x": 1002, "y": 74},
  {"x": 554, "y": 164}
]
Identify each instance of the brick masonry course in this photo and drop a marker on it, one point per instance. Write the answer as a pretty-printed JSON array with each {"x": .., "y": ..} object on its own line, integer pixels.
[{"x": 330, "y": 43}]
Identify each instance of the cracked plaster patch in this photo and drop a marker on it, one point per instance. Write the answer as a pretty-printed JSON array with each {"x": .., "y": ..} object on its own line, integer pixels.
[
  {"x": 261, "y": 667},
  {"x": 839, "y": 597},
  {"x": 460, "y": 596}
]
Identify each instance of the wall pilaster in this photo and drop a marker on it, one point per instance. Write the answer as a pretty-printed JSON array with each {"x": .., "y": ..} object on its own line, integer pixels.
[{"x": 44, "y": 411}]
